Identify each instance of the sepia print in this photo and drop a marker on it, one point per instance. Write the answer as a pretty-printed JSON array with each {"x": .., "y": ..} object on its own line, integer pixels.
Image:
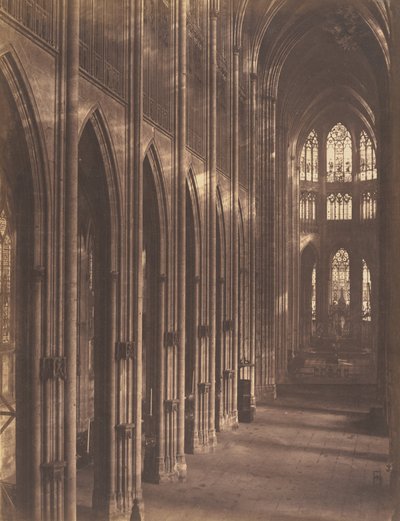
[{"x": 199, "y": 260}]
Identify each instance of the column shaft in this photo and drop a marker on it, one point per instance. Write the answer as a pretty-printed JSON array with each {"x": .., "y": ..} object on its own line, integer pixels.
[
  {"x": 181, "y": 261},
  {"x": 71, "y": 243},
  {"x": 234, "y": 231},
  {"x": 252, "y": 212},
  {"x": 212, "y": 216}
]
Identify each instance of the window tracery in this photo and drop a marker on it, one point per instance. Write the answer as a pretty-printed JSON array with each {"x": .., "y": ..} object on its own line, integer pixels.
[
  {"x": 309, "y": 159},
  {"x": 339, "y": 155},
  {"x": 368, "y": 205},
  {"x": 308, "y": 206},
  {"x": 38, "y": 16},
  {"x": 6, "y": 348},
  {"x": 101, "y": 49},
  {"x": 367, "y": 158},
  {"x": 366, "y": 292},
  {"x": 340, "y": 277},
  {"x": 314, "y": 293},
  {"x": 339, "y": 207}
]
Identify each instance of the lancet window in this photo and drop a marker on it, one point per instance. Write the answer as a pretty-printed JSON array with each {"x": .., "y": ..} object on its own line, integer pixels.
[
  {"x": 340, "y": 277},
  {"x": 309, "y": 159},
  {"x": 308, "y": 206},
  {"x": 339, "y": 155},
  {"x": 368, "y": 205},
  {"x": 6, "y": 264},
  {"x": 367, "y": 158},
  {"x": 314, "y": 293},
  {"x": 366, "y": 292}
]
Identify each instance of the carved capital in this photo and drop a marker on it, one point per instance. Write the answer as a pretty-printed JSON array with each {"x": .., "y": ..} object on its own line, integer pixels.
[
  {"x": 150, "y": 441},
  {"x": 215, "y": 7},
  {"x": 228, "y": 325},
  {"x": 171, "y": 338},
  {"x": 125, "y": 430},
  {"x": 53, "y": 471},
  {"x": 203, "y": 331},
  {"x": 53, "y": 368},
  {"x": 204, "y": 387},
  {"x": 253, "y": 77},
  {"x": 171, "y": 405},
  {"x": 228, "y": 374},
  {"x": 124, "y": 350},
  {"x": 39, "y": 272}
]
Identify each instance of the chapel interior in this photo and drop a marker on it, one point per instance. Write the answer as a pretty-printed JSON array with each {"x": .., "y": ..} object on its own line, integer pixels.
[{"x": 199, "y": 248}]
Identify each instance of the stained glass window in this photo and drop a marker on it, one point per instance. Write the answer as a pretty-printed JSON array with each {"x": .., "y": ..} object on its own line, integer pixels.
[
  {"x": 309, "y": 159},
  {"x": 368, "y": 205},
  {"x": 366, "y": 292},
  {"x": 340, "y": 277},
  {"x": 314, "y": 293},
  {"x": 6, "y": 350},
  {"x": 367, "y": 158},
  {"x": 308, "y": 206},
  {"x": 339, "y": 155},
  {"x": 91, "y": 308},
  {"x": 339, "y": 207}
]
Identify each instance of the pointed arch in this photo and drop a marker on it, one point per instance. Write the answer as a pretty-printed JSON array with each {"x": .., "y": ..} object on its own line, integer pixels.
[
  {"x": 26, "y": 172},
  {"x": 222, "y": 228},
  {"x": 17, "y": 81},
  {"x": 153, "y": 157},
  {"x": 193, "y": 192},
  {"x": 98, "y": 122}
]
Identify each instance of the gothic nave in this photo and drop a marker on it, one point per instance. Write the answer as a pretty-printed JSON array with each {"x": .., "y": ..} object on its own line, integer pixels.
[{"x": 199, "y": 293}]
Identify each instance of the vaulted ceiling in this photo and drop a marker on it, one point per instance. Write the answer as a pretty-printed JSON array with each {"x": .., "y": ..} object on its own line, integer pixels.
[{"x": 318, "y": 58}]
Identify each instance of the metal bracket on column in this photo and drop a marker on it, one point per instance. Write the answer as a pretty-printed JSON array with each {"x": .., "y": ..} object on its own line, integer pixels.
[
  {"x": 124, "y": 350},
  {"x": 203, "y": 331},
  {"x": 53, "y": 471},
  {"x": 204, "y": 387},
  {"x": 228, "y": 374},
  {"x": 171, "y": 405},
  {"x": 171, "y": 338},
  {"x": 53, "y": 368},
  {"x": 228, "y": 325},
  {"x": 125, "y": 430}
]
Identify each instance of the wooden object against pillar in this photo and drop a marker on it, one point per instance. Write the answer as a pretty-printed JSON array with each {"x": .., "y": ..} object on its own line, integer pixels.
[
  {"x": 235, "y": 224},
  {"x": 181, "y": 181},
  {"x": 71, "y": 244},
  {"x": 212, "y": 214}
]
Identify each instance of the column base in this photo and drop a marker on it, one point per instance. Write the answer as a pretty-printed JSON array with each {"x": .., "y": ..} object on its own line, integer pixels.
[
  {"x": 106, "y": 507},
  {"x": 266, "y": 393},
  {"x": 209, "y": 444},
  {"x": 181, "y": 467},
  {"x": 229, "y": 422},
  {"x": 158, "y": 474},
  {"x": 247, "y": 415}
]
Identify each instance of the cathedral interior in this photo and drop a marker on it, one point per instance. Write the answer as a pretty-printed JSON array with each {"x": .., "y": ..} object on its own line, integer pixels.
[{"x": 199, "y": 291}]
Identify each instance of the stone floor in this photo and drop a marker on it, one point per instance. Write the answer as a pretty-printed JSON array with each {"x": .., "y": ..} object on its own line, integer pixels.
[{"x": 309, "y": 456}]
